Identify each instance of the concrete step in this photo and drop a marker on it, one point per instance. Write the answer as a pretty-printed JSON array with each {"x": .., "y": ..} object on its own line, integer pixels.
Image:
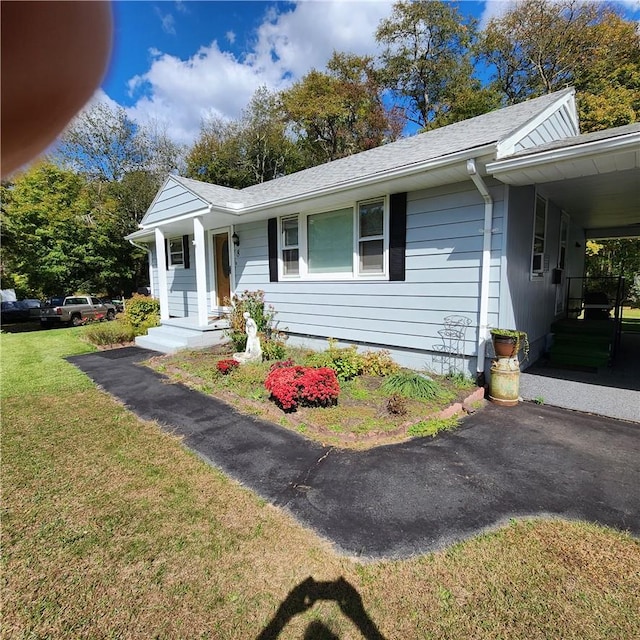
[
  {"x": 170, "y": 339},
  {"x": 160, "y": 343}
]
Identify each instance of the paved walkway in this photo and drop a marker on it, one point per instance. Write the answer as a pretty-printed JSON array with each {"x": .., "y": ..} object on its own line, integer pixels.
[{"x": 409, "y": 498}]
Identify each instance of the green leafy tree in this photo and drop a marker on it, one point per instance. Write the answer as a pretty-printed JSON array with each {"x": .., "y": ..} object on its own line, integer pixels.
[
  {"x": 217, "y": 157},
  {"x": 104, "y": 144},
  {"x": 267, "y": 150},
  {"x": 340, "y": 112},
  {"x": 243, "y": 152},
  {"x": 540, "y": 46},
  {"x": 609, "y": 258},
  {"x": 427, "y": 62},
  {"x": 59, "y": 237}
]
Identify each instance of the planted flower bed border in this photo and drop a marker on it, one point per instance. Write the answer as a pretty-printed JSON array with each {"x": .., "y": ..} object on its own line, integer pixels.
[{"x": 294, "y": 408}]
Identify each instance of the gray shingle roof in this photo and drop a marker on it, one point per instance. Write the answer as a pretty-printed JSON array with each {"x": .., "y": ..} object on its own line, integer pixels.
[{"x": 489, "y": 128}]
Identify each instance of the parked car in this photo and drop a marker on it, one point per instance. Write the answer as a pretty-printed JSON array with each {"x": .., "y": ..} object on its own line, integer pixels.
[
  {"x": 33, "y": 306},
  {"x": 20, "y": 310},
  {"x": 118, "y": 304},
  {"x": 13, "y": 312}
]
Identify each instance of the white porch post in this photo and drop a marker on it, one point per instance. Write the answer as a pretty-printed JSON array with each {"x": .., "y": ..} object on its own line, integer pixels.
[
  {"x": 161, "y": 256},
  {"x": 201, "y": 271}
]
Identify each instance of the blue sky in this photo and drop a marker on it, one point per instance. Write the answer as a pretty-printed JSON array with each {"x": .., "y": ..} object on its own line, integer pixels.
[{"x": 179, "y": 62}]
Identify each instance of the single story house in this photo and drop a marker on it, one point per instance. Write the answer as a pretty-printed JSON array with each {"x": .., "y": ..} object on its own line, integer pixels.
[{"x": 483, "y": 220}]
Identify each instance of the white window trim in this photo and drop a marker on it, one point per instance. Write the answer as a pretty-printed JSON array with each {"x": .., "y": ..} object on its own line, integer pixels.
[
  {"x": 282, "y": 248},
  {"x": 538, "y": 275},
  {"x": 355, "y": 275},
  {"x": 384, "y": 274},
  {"x": 171, "y": 265}
]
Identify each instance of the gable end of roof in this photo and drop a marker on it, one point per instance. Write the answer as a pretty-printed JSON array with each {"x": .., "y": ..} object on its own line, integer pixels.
[{"x": 557, "y": 121}]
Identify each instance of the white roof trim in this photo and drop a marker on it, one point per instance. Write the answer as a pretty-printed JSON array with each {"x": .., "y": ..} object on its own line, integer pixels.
[
  {"x": 238, "y": 209},
  {"x": 572, "y": 152},
  {"x": 162, "y": 188},
  {"x": 566, "y": 103}
]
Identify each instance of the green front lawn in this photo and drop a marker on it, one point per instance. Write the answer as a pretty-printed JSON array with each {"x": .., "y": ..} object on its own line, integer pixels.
[{"x": 112, "y": 529}]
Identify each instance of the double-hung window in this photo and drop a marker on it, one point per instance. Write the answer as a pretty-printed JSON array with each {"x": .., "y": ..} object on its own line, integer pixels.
[
  {"x": 290, "y": 247},
  {"x": 539, "y": 235},
  {"x": 176, "y": 252},
  {"x": 371, "y": 250},
  {"x": 343, "y": 244}
]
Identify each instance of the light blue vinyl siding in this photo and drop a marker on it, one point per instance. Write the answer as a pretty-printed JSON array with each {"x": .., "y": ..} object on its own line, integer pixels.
[
  {"x": 555, "y": 127},
  {"x": 443, "y": 261},
  {"x": 155, "y": 283},
  {"x": 183, "y": 296},
  {"x": 529, "y": 305},
  {"x": 174, "y": 200}
]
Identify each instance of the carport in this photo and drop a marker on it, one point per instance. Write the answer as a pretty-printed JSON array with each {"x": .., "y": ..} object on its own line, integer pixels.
[{"x": 595, "y": 178}]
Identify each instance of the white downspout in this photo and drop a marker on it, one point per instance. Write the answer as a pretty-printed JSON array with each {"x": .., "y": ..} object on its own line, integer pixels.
[
  {"x": 150, "y": 253},
  {"x": 486, "y": 267}
]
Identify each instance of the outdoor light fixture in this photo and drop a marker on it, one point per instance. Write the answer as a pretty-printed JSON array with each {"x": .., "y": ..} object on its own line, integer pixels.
[{"x": 235, "y": 239}]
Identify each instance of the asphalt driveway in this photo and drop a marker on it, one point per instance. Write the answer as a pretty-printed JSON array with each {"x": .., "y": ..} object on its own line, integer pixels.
[{"x": 409, "y": 498}]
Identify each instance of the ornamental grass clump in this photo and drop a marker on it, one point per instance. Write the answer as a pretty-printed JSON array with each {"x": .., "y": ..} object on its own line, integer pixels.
[
  {"x": 412, "y": 385},
  {"x": 295, "y": 385}
]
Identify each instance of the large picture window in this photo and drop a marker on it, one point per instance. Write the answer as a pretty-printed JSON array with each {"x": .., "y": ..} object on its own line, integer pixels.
[
  {"x": 351, "y": 242},
  {"x": 330, "y": 242}
]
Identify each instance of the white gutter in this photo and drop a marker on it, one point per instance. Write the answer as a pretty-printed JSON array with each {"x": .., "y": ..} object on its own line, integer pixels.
[
  {"x": 149, "y": 252},
  {"x": 486, "y": 267}
]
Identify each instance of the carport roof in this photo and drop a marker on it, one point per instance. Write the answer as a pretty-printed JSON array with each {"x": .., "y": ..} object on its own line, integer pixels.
[{"x": 595, "y": 177}]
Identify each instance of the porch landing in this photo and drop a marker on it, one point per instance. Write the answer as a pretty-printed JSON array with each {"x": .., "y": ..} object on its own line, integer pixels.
[
  {"x": 176, "y": 334},
  {"x": 610, "y": 391}
]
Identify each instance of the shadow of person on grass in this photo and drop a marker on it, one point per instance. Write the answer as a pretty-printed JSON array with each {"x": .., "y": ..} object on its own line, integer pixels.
[{"x": 306, "y": 594}]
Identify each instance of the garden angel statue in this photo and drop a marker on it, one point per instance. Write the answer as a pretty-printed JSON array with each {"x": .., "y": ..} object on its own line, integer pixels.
[{"x": 253, "y": 350}]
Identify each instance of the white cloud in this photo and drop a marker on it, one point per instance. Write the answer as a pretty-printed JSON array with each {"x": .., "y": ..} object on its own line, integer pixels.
[
  {"x": 230, "y": 36},
  {"x": 168, "y": 22},
  {"x": 494, "y": 9},
  {"x": 179, "y": 93}
]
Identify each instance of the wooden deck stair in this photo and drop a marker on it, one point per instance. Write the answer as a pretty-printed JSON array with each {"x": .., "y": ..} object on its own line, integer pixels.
[{"x": 582, "y": 343}]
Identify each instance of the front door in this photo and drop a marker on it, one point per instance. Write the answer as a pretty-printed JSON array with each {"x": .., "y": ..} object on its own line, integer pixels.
[{"x": 223, "y": 268}]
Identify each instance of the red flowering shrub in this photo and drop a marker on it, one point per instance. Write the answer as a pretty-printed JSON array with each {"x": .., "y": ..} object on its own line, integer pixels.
[
  {"x": 226, "y": 366},
  {"x": 293, "y": 385}
]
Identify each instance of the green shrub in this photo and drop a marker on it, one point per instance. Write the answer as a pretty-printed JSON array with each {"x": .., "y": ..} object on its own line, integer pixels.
[
  {"x": 273, "y": 350},
  {"x": 413, "y": 385},
  {"x": 109, "y": 333},
  {"x": 142, "y": 311},
  {"x": 262, "y": 314},
  {"x": 346, "y": 362},
  {"x": 239, "y": 341},
  {"x": 378, "y": 363},
  {"x": 253, "y": 302}
]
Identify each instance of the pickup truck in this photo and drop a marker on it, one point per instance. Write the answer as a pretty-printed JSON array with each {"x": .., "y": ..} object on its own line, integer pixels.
[{"x": 76, "y": 310}]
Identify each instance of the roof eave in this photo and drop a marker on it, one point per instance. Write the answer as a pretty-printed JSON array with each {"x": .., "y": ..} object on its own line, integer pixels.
[
  {"x": 238, "y": 209},
  {"x": 573, "y": 152}
]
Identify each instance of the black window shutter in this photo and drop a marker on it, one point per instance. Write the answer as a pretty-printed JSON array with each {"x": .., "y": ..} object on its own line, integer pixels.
[
  {"x": 397, "y": 237},
  {"x": 166, "y": 252},
  {"x": 185, "y": 251},
  {"x": 272, "y": 235}
]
